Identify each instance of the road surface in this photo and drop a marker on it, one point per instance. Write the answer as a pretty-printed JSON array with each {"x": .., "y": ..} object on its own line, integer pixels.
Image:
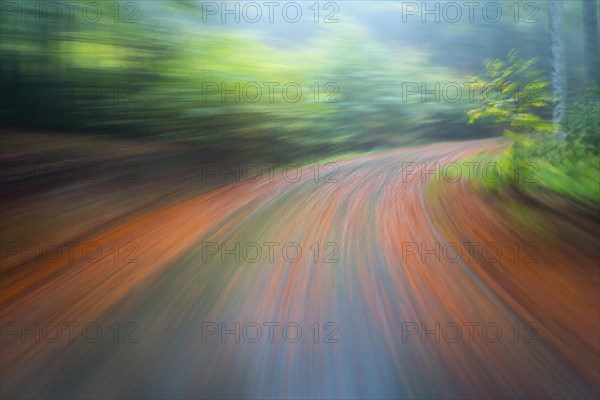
[{"x": 367, "y": 280}]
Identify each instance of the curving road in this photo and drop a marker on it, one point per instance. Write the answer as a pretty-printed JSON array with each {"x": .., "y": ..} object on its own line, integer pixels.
[{"x": 344, "y": 289}]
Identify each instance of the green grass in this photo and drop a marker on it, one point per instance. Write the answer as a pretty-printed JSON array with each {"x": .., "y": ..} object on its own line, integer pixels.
[{"x": 571, "y": 180}]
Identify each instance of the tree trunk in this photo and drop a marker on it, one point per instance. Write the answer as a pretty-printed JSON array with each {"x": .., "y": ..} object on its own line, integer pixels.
[
  {"x": 557, "y": 47},
  {"x": 590, "y": 26}
]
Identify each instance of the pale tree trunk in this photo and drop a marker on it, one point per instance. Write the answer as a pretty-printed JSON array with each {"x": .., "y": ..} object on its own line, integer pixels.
[
  {"x": 590, "y": 26},
  {"x": 557, "y": 46}
]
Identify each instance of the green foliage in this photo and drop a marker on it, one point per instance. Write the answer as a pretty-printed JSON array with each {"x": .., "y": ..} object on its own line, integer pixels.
[
  {"x": 168, "y": 79},
  {"x": 512, "y": 91},
  {"x": 583, "y": 122},
  {"x": 538, "y": 163},
  {"x": 151, "y": 74},
  {"x": 557, "y": 166}
]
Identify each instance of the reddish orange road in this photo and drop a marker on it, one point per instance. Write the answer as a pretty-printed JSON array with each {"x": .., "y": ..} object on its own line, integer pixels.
[{"x": 364, "y": 287}]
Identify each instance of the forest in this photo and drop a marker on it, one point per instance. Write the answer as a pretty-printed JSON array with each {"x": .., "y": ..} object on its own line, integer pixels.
[{"x": 300, "y": 199}]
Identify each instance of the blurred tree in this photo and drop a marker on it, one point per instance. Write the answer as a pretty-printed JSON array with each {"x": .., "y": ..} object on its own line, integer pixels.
[
  {"x": 592, "y": 52},
  {"x": 557, "y": 46}
]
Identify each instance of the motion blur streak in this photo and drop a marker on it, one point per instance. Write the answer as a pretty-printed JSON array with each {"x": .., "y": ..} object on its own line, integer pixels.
[{"x": 371, "y": 294}]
